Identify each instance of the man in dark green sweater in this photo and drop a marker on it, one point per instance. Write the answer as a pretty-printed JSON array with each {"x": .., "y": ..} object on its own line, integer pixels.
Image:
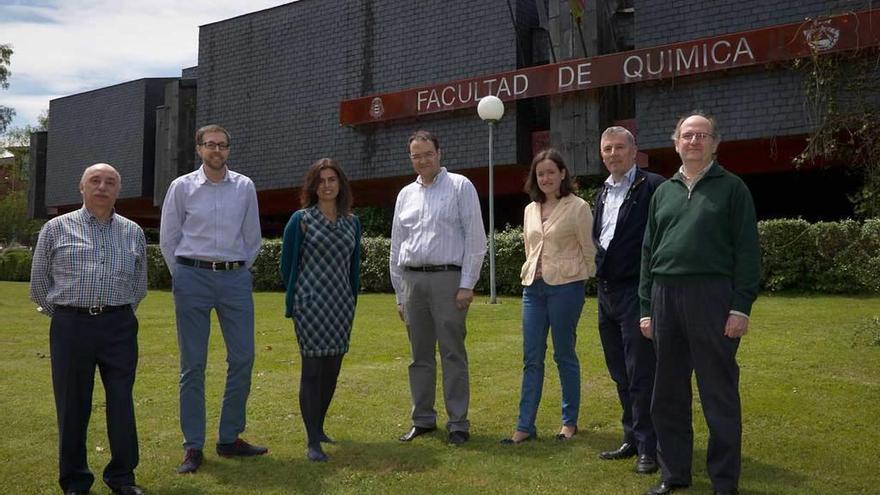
[{"x": 700, "y": 275}]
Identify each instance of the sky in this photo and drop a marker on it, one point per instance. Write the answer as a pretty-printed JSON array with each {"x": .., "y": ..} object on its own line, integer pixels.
[{"x": 65, "y": 47}]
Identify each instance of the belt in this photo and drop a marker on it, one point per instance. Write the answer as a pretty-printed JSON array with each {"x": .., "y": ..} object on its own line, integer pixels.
[
  {"x": 92, "y": 310},
  {"x": 433, "y": 268},
  {"x": 211, "y": 265}
]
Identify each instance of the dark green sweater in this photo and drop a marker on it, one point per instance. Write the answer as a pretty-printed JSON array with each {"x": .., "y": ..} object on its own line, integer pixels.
[{"x": 708, "y": 233}]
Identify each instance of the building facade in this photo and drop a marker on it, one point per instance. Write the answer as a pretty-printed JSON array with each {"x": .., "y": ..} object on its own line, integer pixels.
[{"x": 282, "y": 79}]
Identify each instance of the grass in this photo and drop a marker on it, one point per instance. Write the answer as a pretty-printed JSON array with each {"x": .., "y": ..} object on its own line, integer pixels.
[{"x": 810, "y": 385}]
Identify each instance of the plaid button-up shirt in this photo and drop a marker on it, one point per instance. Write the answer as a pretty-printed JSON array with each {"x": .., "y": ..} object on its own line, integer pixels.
[{"x": 80, "y": 261}]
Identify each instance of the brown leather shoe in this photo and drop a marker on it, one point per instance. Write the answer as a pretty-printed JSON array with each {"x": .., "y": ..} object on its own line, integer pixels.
[
  {"x": 191, "y": 461},
  {"x": 240, "y": 448}
]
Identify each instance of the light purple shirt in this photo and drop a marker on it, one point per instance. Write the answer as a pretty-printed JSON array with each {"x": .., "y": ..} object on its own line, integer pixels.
[{"x": 210, "y": 221}]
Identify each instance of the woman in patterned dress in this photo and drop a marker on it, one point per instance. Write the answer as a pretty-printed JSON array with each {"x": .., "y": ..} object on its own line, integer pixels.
[{"x": 320, "y": 267}]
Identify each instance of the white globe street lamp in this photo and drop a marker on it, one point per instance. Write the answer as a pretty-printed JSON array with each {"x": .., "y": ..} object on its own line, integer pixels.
[{"x": 491, "y": 109}]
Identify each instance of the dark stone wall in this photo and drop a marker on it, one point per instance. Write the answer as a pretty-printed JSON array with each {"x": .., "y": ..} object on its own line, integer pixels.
[
  {"x": 114, "y": 125},
  {"x": 275, "y": 79},
  {"x": 750, "y": 103}
]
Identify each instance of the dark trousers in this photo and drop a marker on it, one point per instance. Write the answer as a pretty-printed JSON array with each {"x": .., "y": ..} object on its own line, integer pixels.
[
  {"x": 316, "y": 388},
  {"x": 688, "y": 322},
  {"x": 630, "y": 360},
  {"x": 78, "y": 343}
]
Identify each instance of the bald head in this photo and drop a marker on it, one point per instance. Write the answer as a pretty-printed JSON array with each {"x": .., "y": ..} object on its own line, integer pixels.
[
  {"x": 99, "y": 166},
  {"x": 696, "y": 140},
  {"x": 99, "y": 187}
]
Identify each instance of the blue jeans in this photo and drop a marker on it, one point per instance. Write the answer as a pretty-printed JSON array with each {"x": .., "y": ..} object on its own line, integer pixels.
[
  {"x": 196, "y": 292},
  {"x": 556, "y": 308}
]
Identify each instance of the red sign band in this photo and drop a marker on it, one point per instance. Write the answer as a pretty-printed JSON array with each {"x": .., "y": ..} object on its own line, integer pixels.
[{"x": 747, "y": 48}]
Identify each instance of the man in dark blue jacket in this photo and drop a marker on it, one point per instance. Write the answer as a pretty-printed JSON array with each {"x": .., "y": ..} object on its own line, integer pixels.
[{"x": 620, "y": 214}]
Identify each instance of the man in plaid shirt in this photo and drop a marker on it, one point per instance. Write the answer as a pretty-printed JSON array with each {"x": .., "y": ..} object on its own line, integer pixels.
[{"x": 89, "y": 274}]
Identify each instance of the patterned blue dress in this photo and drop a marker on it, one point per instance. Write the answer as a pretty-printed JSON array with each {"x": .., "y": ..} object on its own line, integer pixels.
[{"x": 324, "y": 299}]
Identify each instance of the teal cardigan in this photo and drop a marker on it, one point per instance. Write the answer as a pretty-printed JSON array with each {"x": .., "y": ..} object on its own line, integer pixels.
[{"x": 290, "y": 257}]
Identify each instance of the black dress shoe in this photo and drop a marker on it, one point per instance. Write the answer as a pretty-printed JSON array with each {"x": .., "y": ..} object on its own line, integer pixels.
[
  {"x": 646, "y": 464},
  {"x": 415, "y": 431},
  {"x": 128, "y": 490},
  {"x": 191, "y": 461},
  {"x": 76, "y": 492},
  {"x": 458, "y": 437},
  {"x": 323, "y": 438},
  {"x": 240, "y": 448},
  {"x": 625, "y": 451},
  {"x": 665, "y": 487}
]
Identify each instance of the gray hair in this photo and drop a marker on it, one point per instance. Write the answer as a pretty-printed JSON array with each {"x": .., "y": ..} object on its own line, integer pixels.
[{"x": 617, "y": 130}]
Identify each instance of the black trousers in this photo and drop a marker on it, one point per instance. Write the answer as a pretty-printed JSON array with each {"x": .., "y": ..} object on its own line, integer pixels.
[
  {"x": 688, "y": 322},
  {"x": 78, "y": 343},
  {"x": 316, "y": 388},
  {"x": 630, "y": 360}
]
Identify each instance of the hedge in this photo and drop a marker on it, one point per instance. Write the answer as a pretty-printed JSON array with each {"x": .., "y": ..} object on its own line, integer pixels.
[
  {"x": 15, "y": 264},
  {"x": 828, "y": 257}
]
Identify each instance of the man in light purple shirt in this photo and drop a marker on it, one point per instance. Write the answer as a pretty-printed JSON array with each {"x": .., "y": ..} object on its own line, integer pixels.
[
  {"x": 437, "y": 248},
  {"x": 210, "y": 236}
]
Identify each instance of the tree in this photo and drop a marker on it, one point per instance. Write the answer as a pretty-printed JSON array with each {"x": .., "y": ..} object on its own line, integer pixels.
[
  {"x": 6, "y": 113},
  {"x": 843, "y": 96},
  {"x": 15, "y": 226},
  {"x": 17, "y": 141},
  {"x": 43, "y": 121}
]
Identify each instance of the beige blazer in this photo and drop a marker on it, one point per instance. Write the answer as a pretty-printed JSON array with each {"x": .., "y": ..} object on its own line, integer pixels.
[{"x": 563, "y": 244}]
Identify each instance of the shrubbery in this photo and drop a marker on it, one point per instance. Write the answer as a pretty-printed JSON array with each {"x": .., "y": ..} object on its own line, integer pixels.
[
  {"x": 15, "y": 264},
  {"x": 829, "y": 257}
]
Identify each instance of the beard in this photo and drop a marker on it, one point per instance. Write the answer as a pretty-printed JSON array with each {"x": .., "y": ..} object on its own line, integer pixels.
[{"x": 215, "y": 161}]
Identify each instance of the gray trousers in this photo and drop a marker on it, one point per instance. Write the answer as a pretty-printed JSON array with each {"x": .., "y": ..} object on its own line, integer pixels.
[{"x": 431, "y": 317}]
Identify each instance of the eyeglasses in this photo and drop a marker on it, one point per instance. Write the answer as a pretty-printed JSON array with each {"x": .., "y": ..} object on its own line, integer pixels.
[
  {"x": 696, "y": 136},
  {"x": 211, "y": 145},
  {"x": 422, "y": 156}
]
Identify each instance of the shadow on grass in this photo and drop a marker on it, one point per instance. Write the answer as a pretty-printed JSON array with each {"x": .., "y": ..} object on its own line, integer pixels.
[
  {"x": 348, "y": 461},
  {"x": 771, "y": 478},
  {"x": 538, "y": 448}
]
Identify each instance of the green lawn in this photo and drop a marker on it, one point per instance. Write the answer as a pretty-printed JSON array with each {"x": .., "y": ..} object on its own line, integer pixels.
[{"x": 810, "y": 383}]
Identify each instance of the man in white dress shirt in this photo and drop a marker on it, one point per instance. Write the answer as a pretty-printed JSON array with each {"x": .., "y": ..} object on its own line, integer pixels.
[{"x": 437, "y": 248}]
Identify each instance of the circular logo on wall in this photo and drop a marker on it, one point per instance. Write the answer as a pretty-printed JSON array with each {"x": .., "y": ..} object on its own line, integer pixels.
[
  {"x": 377, "y": 108},
  {"x": 820, "y": 36}
]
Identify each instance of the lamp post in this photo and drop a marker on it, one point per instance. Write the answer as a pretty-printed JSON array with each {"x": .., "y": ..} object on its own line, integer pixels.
[{"x": 491, "y": 109}]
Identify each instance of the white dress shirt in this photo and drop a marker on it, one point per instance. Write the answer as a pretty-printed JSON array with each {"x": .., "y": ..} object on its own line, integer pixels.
[
  {"x": 438, "y": 224},
  {"x": 613, "y": 196}
]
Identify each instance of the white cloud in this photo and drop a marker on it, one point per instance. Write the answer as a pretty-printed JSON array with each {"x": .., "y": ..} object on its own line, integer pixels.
[{"x": 67, "y": 47}]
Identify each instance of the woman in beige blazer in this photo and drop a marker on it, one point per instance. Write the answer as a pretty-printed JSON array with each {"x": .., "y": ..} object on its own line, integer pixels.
[{"x": 559, "y": 258}]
